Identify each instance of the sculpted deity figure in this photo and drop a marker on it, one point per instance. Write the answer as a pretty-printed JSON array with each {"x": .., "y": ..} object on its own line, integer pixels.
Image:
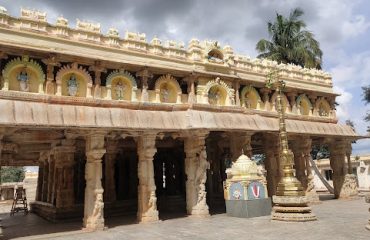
[
  {"x": 120, "y": 90},
  {"x": 152, "y": 205},
  {"x": 201, "y": 177},
  {"x": 98, "y": 207},
  {"x": 72, "y": 85},
  {"x": 23, "y": 80},
  {"x": 165, "y": 93},
  {"x": 214, "y": 97}
]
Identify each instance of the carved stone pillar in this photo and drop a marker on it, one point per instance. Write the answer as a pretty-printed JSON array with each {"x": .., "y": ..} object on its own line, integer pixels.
[
  {"x": 94, "y": 205},
  {"x": 342, "y": 188},
  {"x": 240, "y": 143},
  {"x": 196, "y": 166},
  {"x": 313, "y": 102},
  {"x": 272, "y": 165},
  {"x": 64, "y": 175},
  {"x": 109, "y": 171},
  {"x": 191, "y": 89},
  {"x": 97, "y": 69},
  {"x": 237, "y": 96},
  {"x": 3, "y": 84},
  {"x": 51, "y": 64},
  {"x": 311, "y": 193},
  {"x": 298, "y": 148},
  {"x": 40, "y": 180},
  {"x": 349, "y": 188},
  {"x": 147, "y": 200},
  {"x": 145, "y": 75},
  {"x": 51, "y": 182},
  {"x": 45, "y": 181},
  {"x": 265, "y": 98},
  {"x": 292, "y": 98}
]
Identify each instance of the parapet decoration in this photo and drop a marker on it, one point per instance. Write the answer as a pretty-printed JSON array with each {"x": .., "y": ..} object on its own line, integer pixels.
[
  {"x": 33, "y": 15},
  {"x": 88, "y": 26},
  {"x": 23, "y": 74}
]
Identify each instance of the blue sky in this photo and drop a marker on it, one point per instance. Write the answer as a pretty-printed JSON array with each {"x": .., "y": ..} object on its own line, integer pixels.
[{"x": 341, "y": 26}]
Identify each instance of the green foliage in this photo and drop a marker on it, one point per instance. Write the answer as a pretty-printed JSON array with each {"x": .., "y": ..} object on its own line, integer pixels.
[
  {"x": 320, "y": 152},
  {"x": 12, "y": 174},
  {"x": 289, "y": 43},
  {"x": 259, "y": 158}
]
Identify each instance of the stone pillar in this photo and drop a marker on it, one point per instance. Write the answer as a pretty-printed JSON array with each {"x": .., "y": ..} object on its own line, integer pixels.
[
  {"x": 272, "y": 164},
  {"x": 64, "y": 175},
  {"x": 196, "y": 166},
  {"x": 367, "y": 199},
  {"x": 345, "y": 185},
  {"x": 292, "y": 98},
  {"x": 51, "y": 177},
  {"x": 311, "y": 193},
  {"x": 40, "y": 179},
  {"x": 240, "y": 143},
  {"x": 191, "y": 89},
  {"x": 236, "y": 89},
  {"x": 109, "y": 171},
  {"x": 45, "y": 181},
  {"x": 51, "y": 64},
  {"x": 145, "y": 75},
  {"x": 298, "y": 148},
  {"x": 313, "y": 102},
  {"x": 350, "y": 188},
  {"x": 265, "y": 98},
  {"x": 94, "y": 205},
  {"x": 97, "y": 69},
  {"x": 147, "y": 200}
]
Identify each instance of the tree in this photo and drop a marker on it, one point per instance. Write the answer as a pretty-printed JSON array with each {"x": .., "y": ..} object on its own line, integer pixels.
[
  {"x": 366, "y": 98},
  {"x": 290, "y": 43},
  {"x": 12, "y": 174}
]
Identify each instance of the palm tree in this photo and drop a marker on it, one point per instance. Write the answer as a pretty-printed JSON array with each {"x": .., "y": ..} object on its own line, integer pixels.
[{"x": 290, "y": 43}]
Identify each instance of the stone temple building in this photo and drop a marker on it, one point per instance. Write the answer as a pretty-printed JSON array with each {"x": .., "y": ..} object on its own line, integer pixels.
[{"x": 122, "y": 126}]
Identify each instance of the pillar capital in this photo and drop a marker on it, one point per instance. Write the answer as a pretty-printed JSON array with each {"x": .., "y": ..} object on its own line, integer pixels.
[
  {"x": 144, "y": 74},
  {"x": 95, "y": 155}
]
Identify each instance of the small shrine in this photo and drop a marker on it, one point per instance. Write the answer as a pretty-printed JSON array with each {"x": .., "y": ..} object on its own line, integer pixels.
[{"x": 245, "y": 190}]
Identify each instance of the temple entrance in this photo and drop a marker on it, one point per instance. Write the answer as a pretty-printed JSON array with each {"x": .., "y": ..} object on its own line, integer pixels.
[
  {"x": 170, "y": 178},
  {"x": 120, "y": 178},
  {"x": 216, "y": 155}
]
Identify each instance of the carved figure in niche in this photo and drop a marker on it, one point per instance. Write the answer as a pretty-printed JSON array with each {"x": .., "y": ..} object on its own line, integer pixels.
[
  {"x": 201, "y": 177},
  {"x": 98, "y": 207},
  {"x": 152, "y": 205},
  {"x": 214, "y": 96},
  {"x": 322, "y": 111},
  {"x": 23, "y": 80},
  {"x": 165, "y": 93},
  {"x": 247, "y": 101},
  {"x": 72, "y": 85},
  {"x": 120, "y": 90}
]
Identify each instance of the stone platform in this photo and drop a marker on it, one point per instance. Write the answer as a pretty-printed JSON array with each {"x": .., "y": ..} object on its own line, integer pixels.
[
  {"x": 348, "y": 223},
  {"x": 248, "y": 208}
]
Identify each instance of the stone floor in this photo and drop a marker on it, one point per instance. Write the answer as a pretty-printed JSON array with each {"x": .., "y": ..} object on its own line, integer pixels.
[{"x": 338, "y": 219}]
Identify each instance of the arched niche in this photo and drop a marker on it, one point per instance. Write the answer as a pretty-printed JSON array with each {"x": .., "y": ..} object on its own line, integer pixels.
[
  {"x": 304, "y": 105},
  {"x": 74, "y": 81},
  {"x": 167, "y": 90},
  {"x": 217, "y": 92},
  {"x": 121, "y": 85},
  {"x": 286, "y": 105},
  {"x": 250, "y": 98},
  {"x": 23, "y": 74},
  {"x": 322, "y": 107}
]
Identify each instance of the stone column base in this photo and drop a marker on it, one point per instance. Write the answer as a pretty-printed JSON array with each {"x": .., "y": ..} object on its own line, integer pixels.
[
  {"x": 291, "y": 209},
  {"x": 349, "y": 187},
  {"x": 200, "y": 212},
  {"x": 94, "y": 226},
  {"x": 313, "y": 197},
  {"x": 152, "y": 217}
]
